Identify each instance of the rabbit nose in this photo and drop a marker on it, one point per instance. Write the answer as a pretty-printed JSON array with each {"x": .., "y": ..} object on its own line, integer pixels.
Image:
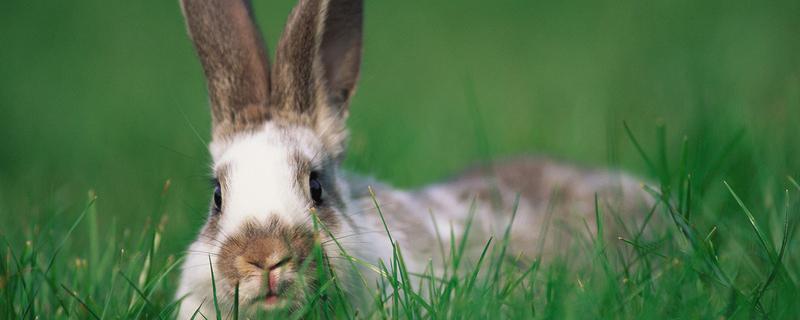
[
  {"x": 273, "y": 276},
  {"x": 271, "y": 273}
]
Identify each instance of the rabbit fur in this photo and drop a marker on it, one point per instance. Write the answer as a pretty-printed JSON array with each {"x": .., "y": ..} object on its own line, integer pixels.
[{"x": 278, "y": 139}]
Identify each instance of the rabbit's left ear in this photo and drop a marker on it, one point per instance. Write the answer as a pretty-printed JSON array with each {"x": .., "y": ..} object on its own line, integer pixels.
[
  {"x": 231, "y": 51},
  {"x": 318, "y": 58}
]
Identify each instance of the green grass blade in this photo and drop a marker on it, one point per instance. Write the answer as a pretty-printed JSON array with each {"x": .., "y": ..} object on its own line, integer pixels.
[
  {"x": 462, "y": 245},
  {"x": 794, "y": 182},
  {"x": 683, "y": 173},
  {"x": 236, "y": 302},
  {"x": 69, "y": 233},
  {"x": 58, "y": 249},
  {"x": 169, "y": 309},
  {"x": 470, "y": 282},
  {"x": 82, "y": 303},
  {"x": 214, "y": 290},
  {"x": 716, "y": 164},
  {"x": 301, "y": 314},
  {"x": 642, "y": 153},
  {"x": 506, "y": 238},
  {"x": 380, "y": 214},
  {"x": 776, "y": 267},
  {"x": 197, "y": 311},
  {"x": 94, "y": 240},
  {"x": 598, "y": 219},
  {"x": 664, "y": 174},
  {"x": 139, "y": 292},
  {"x": 762, "y": 238}
]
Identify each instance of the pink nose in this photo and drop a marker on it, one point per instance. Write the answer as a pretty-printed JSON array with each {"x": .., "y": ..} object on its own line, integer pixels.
[
  {"x": 273, "y": 273},
  {"x": 272, "y": 281}
]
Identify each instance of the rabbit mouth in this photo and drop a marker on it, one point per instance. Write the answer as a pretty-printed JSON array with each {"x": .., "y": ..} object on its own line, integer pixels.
[
  {"x": 272, "y": 298},
  {"x": 270, "y": 301}
]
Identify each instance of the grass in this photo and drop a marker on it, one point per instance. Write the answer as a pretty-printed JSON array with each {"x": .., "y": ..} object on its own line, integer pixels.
[
  {"x": 702, "y": 98},
  {"x": 682, "y": 272}
]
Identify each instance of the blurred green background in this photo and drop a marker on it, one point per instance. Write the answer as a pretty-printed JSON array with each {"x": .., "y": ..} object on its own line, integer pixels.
[{"x": 104, "y": 95}]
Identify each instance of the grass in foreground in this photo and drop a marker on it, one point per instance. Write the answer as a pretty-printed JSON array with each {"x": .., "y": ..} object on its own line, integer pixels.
[{"x": 742, "y": 270}]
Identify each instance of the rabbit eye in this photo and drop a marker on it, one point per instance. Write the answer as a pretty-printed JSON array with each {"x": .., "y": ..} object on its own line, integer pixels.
[
  {"x": 217, "y": 196},
  {"x": 315, "y": 188}
]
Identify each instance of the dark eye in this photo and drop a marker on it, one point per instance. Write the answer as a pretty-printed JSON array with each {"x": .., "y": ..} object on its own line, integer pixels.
[
  {"x": 315, "y": 188},
  {"x": 217, "y": 196}
]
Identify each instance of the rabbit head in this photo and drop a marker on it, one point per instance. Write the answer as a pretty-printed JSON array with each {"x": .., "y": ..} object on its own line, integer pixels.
[{"x": 278, "y": 136}]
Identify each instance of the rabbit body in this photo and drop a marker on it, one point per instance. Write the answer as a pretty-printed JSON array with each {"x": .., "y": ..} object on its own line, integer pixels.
[
  {"x": 278, "y": 139},
  {"x": 542, "y": 192}
]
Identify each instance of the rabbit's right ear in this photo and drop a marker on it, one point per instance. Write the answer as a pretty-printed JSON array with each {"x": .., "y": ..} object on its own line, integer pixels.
[{"x": 236, "y": 67}]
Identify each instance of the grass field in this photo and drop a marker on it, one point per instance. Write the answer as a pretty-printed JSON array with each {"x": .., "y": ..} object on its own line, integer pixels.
[{"x": 104, "y": 172}]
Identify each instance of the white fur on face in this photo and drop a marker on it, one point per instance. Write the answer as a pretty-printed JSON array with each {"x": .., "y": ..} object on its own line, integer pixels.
[
  {"x": 259, "y": 184},
  {"x": 260, "y": 176}
]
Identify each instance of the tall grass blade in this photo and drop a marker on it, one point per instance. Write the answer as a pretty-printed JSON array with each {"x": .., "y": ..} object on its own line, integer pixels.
[
  {"x": 794, "y": 182},
  {"x": 82, "y": 303},
  {"x": 58, "y": 249},
  {"x": 138, "y": 291},
  {"x": 642, "y": 153},
  {"x": 776, "y": 266},
  {"x": 236, "y": 302},
  {"x": 94, "y": 241},
  {"x": 197, "y": 311},
  {"x": 762, "y": 238},
  {"x": 217, "y": 311}
]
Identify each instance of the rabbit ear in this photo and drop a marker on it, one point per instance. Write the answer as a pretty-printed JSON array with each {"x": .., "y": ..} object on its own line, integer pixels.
[
  {"x": 231, "y": 50},
  {"x": 319, "y": 56}
]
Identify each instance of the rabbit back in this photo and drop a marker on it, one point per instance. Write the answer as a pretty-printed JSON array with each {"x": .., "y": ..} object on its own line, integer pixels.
[{"x": 555, "y": 205}]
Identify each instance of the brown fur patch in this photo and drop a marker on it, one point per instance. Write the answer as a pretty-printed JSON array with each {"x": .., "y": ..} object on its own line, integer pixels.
[
  {"x": 567, "y": 192},
  {"x": 257, "y": 246}
]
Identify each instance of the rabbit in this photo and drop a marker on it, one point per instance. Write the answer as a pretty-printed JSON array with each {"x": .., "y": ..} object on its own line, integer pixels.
[{"x": 278, "y": 139}]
